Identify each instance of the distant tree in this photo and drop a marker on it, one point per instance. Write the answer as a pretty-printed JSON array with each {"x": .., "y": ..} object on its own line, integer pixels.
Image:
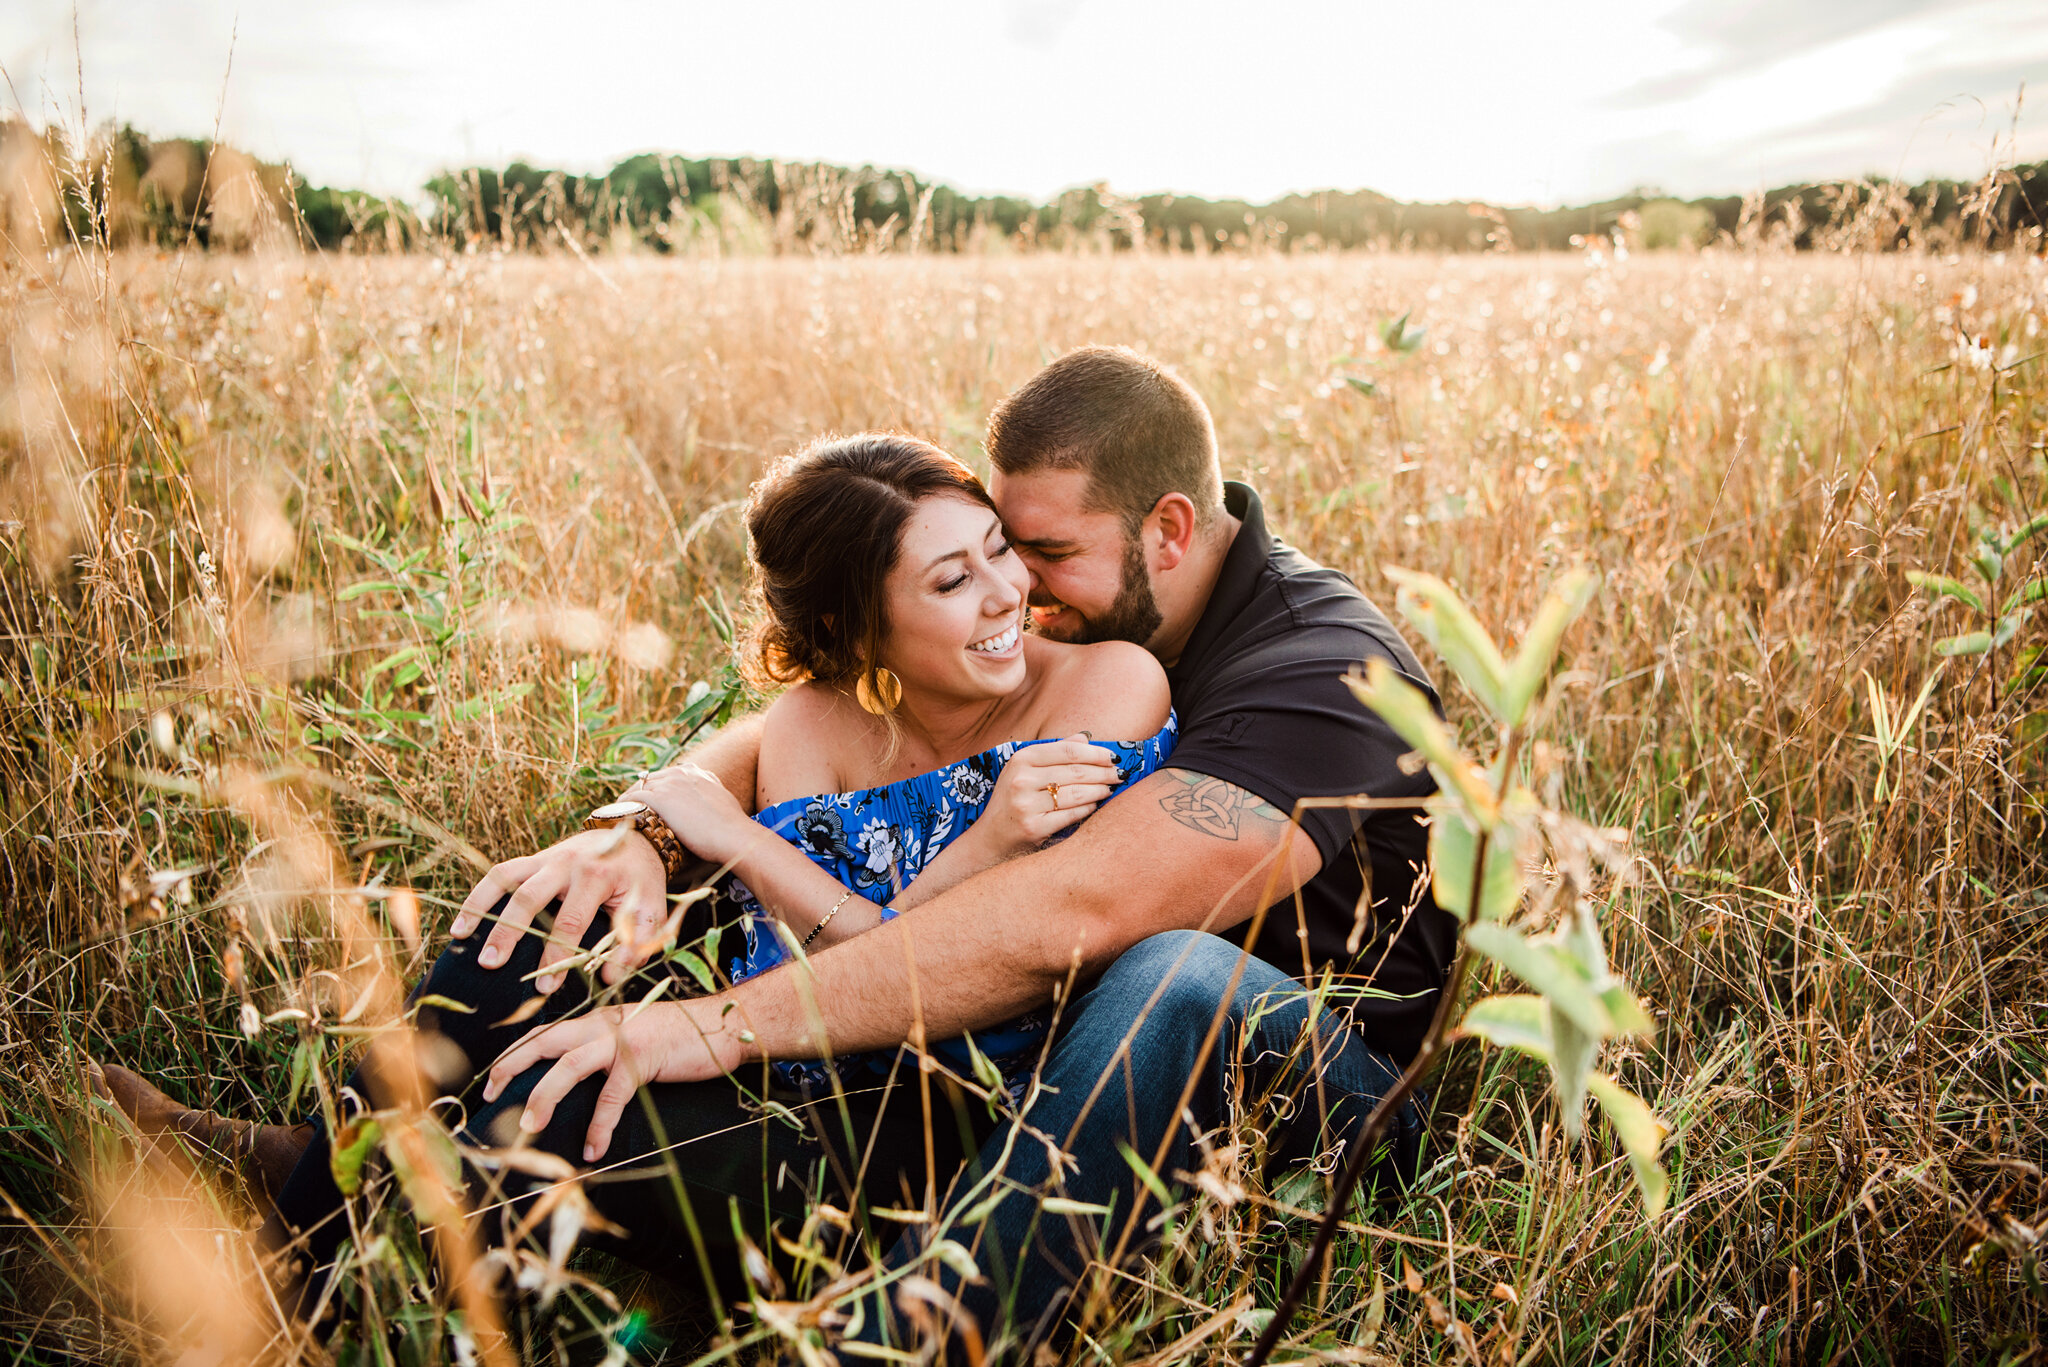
[{"x": 1665, "y": 223}]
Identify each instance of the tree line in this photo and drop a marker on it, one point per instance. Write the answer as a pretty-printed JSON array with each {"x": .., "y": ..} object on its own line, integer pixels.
[{"x": 122, "y": 188}]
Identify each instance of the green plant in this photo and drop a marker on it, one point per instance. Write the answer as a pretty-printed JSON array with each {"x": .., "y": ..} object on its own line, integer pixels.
[
  {"x": 1486, "y": 830},
  {"x": 439, "y": 591},
  {"x": 1890, "y": 729},
  {"x": 2001, "y": 620}
]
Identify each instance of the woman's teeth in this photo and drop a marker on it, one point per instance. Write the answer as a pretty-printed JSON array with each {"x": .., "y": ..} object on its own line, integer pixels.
[{"x": 998, "y": 643}]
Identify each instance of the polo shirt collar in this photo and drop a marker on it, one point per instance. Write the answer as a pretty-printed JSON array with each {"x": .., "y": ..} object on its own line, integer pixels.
[{"x": 1236, "y": 583}]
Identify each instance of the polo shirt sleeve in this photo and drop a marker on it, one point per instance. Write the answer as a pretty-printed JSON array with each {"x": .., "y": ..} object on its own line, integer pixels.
[{"x": 1281, "y": 723}]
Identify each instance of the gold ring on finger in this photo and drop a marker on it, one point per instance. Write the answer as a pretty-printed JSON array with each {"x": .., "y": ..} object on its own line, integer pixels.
[{"x": 1054, "y": 789}]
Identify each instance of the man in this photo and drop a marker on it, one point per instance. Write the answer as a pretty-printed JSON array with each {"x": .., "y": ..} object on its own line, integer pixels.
[{"x": 1107, "y": 477}]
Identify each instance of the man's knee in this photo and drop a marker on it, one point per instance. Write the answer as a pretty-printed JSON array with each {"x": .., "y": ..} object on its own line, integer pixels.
[{"x": 1180, "y": 979}]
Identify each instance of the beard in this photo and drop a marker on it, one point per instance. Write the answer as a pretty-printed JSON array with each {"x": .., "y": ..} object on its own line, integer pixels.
[{"x": 1134, "y": 616}]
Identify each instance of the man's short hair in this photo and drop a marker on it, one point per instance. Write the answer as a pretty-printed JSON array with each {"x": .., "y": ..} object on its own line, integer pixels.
[{"x": 1137, "y": 429}]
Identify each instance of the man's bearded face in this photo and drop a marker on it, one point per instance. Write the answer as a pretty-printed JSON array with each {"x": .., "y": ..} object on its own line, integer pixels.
[
  {"x": 1133, "y": 615},
  {"x": 1089, "y": 580}
]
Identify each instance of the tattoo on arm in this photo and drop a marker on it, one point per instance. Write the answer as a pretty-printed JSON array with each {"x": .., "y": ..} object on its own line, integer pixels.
[{"x": 1213, "y": 807}]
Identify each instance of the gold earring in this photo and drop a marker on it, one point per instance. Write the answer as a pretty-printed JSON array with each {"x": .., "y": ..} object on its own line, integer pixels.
[{"x": 882, "y": 696}]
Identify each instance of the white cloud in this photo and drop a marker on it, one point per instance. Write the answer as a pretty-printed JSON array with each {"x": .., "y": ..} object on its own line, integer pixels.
[{"x": 1500, "y": 100}]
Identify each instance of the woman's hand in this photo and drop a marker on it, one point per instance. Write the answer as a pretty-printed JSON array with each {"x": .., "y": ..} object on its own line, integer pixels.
[
  {"x": 698, "y": 809},
  {"x": 1043, "y": 790},
  {"x": 658, "y": 1042}
]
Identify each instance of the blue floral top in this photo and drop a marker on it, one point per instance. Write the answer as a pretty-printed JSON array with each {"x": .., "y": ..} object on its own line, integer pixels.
[{"x": 876, "y": 841}]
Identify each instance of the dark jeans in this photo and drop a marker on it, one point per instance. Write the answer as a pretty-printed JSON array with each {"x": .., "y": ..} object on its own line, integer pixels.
[{"x": 1114, "y": 1078}]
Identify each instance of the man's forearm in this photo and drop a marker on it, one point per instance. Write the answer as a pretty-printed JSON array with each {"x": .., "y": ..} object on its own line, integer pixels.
[
  {"x": 957, "y": 963},
  {"x": 1002, "y": 941}
]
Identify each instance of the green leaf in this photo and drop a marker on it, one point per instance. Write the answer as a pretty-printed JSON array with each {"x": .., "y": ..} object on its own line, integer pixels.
[
  {"x": 391, "y": 661},
  {"x": 1363, "y": 385},
  {"x": 2008, "y": 627},
  {"x": 1641, "y": 1134},
  {"x": 1969, "y": 643},
  {"x": 1450, "y": 628},
  {"x": 1399, "y": 336},
  {"x": 1544, "y": 966},
  {"x": 1988, "y": 563},
  {"x": 2032, "y": 592},
  {"x": 1572, "y": 1052},
  {"x": 985, "y": 1072},
  {"x": 1513, "y": 1021},
  {"x": 1942, "y": 585},
  {"x": 1145, "y": 1174},
  {"x": 1624, "y": 1010},
  {"x": 302, "y": 1070},
  {"x": 489, "y": 702},
  {"x": 1579, "y": 938},
  {"x": 1404, "y": 707},
  {"x": 695, "y": 966},
  {"x": 2032, "y": 528},
  {"x": 1531, "y": 665},
  {"x": 357, "y": 1140},
  {"x": 367, "y": 586},
  {"x": 1453, "y": 856}
]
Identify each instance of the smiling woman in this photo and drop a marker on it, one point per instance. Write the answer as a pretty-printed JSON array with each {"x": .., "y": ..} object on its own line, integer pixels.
[
  {"x": 921, "y": 742},
  {"x": 890, "y": 596}
]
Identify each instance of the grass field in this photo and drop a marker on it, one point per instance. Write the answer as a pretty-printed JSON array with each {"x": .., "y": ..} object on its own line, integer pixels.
[{"x": 209, "y": 463}]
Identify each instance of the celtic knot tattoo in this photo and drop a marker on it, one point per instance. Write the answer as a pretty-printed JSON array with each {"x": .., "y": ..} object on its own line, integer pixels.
[{"x": 1213, "y": 807}]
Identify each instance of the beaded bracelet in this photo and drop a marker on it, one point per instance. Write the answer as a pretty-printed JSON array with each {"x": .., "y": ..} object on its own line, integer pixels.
[{"x": 828, "y": 917}]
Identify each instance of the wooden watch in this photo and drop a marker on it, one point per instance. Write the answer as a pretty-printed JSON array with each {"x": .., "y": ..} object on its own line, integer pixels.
[{"x": 676, "y": 858}]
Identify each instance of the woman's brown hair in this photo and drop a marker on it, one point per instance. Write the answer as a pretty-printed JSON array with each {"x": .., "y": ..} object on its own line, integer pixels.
[{"x": 824, "y": 528}]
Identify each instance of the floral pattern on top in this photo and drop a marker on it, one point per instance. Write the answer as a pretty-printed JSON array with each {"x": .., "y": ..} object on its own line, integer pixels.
[{"x": 876, "y": 841}]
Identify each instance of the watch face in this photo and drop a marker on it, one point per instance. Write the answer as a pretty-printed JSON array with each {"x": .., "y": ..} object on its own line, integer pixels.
[{"x": 618, "y": 811}]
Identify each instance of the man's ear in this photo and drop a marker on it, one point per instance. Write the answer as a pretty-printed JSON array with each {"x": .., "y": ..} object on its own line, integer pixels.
[{"x": 1170, "y": 527}]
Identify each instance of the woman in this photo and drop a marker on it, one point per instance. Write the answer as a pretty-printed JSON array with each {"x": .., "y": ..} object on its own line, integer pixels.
[{"x": 917, "y": 744}]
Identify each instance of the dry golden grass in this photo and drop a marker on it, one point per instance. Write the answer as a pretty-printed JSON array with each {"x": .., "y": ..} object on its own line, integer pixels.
[{"x": 203, "y": 459}]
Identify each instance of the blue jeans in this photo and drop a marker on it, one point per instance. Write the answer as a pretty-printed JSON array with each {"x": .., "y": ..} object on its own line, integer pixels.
[
  {"x": 1117, "y": 1079},
  {"x": 698, "y": 1166}
]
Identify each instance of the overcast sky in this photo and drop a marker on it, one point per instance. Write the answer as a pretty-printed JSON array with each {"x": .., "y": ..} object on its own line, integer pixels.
[{"x": 1518, "y": 101}]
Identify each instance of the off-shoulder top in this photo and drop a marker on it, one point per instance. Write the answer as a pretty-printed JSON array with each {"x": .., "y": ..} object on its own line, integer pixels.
[{"x": 876, "y": 841}]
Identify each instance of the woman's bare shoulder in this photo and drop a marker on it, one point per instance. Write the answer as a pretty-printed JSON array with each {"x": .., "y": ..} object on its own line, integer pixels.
[
  {"x": 1113, "y": 690},
  {"x": 800, "y": 733}
]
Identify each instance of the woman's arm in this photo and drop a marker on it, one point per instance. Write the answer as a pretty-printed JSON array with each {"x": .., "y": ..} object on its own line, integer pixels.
[
  {"x": 788, "y": 884},
  {"x": 796, "y": 892},
  {"x": 1042, "y": 791}
]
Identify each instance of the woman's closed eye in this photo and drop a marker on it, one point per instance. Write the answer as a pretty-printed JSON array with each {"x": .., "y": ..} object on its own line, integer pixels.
[{"x": 1002, "y": 549}]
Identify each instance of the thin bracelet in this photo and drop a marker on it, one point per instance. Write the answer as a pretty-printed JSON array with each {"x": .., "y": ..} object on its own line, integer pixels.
[{"x": 828, "y": 917}]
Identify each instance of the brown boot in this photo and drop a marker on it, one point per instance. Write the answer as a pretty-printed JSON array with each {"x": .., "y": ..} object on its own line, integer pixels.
[{"x": 262, "y": 1155}]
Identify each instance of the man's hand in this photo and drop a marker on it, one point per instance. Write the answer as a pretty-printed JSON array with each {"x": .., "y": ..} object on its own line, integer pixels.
[
  {"x": 617, "y": 871},
  {"x": 661, "y": 1042}
]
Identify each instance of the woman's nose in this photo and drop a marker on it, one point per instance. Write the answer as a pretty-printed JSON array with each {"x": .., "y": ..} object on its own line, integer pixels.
[{"x": 1004, "y": 596}]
